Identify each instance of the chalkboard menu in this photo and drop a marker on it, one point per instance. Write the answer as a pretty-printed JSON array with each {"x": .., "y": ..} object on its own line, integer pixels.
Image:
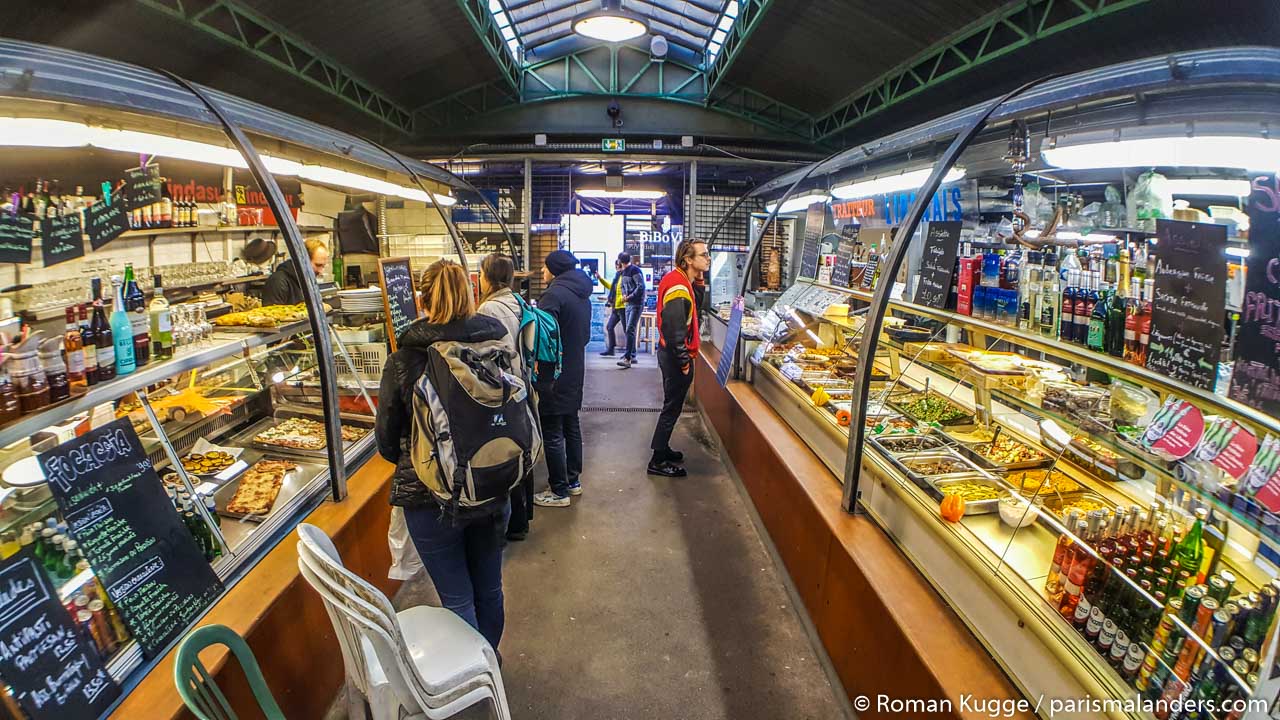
[
  {"x": 104, "y": 223},
  {"x": 809, "y": 248},
  {"x": 63, "y": 239},
  {"x": 1256, "y": 378},
  {"x": 937, "y": 262},
  {"x": 116, "y": 508},
  {"x": 844, "y": 254},
  {"x": 398, "y": 296},
  {"x": 141, "y": 186},
  {"x": 51, "y": 667},
  {"x": 16, "y": 232},
  {"x": 1190, "y": 301}
]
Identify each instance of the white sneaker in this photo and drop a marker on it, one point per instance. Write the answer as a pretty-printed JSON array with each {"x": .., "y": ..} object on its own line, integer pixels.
[
  {"x": 548, "y": 498},
  {"x": 575, "y": 488}
]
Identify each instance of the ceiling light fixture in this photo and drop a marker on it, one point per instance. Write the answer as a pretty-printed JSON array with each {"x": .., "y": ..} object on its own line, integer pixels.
[
  {"x": 623, "y": 194},
  {"x": 1224, "y": 151},
  {"x": 610, "y": 23},
  {"x": 796, "y": 204},
  {"x": 1208, "y": 187},
  {"x": 892, "y": 183}
]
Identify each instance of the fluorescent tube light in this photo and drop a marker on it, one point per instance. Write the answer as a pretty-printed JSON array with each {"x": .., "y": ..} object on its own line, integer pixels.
[
  {"x": 1240, "y": 252},
  {"x": 1227, "y": 151},
  {"x": 623, "y": 194},
  {"x": 892, "y": 183},
  {"x": 1214, "y": 187},
  {"x": 796, "y": 204}
]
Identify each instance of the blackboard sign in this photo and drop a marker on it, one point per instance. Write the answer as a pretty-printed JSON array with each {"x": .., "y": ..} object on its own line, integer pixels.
[
  {"x": 844, "y": 254},
  {"x": 104, "y": 223},
  {"x": 116, "y": 508},
  {"x": 730, "y": 341},
  {"x": 1256, "y": 378},
  {"x": 810, "y": 247},
  {"x": 399, "y": 298},
  {"x": 937, "y": 262},
  {"x": 63, "y": 239},
  {"x": 1187, "y": 314},
  {"x": 51, "y": 667},
  {"x": 141, "y": 187},
  {"x": 16, "y": 232}
]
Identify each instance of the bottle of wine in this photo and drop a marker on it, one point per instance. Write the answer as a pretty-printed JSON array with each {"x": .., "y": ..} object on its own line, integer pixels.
[
  {"x": 161, "y": 325},
  {"x": 101, "y": 331},
  {"x": 73, "y": 345},
  {"x": 121, "y": 330},
  {"x": 135, "y": 303}
]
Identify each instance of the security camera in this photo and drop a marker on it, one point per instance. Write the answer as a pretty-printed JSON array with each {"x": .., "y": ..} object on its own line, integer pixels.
[{"x": 614, "y": 111}]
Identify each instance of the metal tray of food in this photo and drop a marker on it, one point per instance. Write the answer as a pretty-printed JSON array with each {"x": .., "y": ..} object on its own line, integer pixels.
[
  {"x": 909, "y": 443},
  {"x": 1005, "y": 444},
  {"x": 1085, "y": 502},
  {"x": 294, "y": 481},
  {"x": 248, "y": 438},
  {"x": 1045, "y": 482},
  {"x": 968, "y": 488},
  {"x": 922, "y": 407},
  {"x": 929, "y": 466}
]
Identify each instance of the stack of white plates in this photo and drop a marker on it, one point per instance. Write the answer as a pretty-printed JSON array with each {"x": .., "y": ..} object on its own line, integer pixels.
[{"x": 366, "y": 300}]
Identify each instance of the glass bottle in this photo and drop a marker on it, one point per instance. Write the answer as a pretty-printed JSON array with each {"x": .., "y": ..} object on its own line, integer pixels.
[
  {"x": 1049, "y": 296},
  {"x": 1078, "y": 568},
  {"x": 161, "y": 323},
  {"x": 55, "y": 370},
  {"x": 88, "y": 345},
  {"x": 101, "y": 330},
  {"x": 1132, "y": 312},
  {"x": 74, "y": 348},
  {"x": 1190, "y": 549},
  {"x": 135, "y": 303},
  {"x": 1067, "y": 319},
  {"x": 1053, "y": 583},
  {"x": 1096, "y": 336},
  {"x": 121, "y": 330},
  {"x": 1144, "y": 321}
]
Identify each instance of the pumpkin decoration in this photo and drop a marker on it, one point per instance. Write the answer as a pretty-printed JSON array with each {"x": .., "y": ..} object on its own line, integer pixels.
[
  {"x": 843, "y": 417},
  {"x": 951, "y": 508}
]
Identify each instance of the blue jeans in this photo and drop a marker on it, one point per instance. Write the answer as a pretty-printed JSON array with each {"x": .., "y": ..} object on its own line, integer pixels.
[
  {"x": 562, "y": 444},
  {"x": 633, "y": 322},
  {"x": 465, "y": 564}
]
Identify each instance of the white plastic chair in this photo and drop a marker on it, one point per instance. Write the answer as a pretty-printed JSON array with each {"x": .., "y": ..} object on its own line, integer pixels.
[{"x": 443, "y": 659}]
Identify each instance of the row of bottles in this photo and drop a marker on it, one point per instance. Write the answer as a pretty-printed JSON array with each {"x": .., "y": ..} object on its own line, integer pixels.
[
  {"x": 185, "y": 505},
  {"x": 47, "y": 201},
  {"x": 164, "y": 213}
]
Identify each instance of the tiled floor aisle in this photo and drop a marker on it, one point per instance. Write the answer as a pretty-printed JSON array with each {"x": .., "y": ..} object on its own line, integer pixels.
[{"x": 649, "y": 597}]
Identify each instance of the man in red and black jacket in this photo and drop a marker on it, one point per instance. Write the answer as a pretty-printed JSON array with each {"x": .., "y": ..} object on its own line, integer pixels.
[{"x": 677, "y": 321}]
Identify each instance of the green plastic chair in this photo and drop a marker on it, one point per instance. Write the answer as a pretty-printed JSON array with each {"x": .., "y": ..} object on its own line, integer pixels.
[{"x": 200, "y": 693}]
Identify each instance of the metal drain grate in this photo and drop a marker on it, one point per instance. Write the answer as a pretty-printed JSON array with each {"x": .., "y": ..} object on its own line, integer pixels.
[{"x": 621, "y": 409}]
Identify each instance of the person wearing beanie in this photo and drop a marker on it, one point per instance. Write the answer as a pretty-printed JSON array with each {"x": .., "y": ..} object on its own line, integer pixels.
[{"x": 567, "y": 299}]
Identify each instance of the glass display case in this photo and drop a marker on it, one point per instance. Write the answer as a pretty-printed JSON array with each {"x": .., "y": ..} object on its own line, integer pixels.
[{"x": 1067, "y": 422}]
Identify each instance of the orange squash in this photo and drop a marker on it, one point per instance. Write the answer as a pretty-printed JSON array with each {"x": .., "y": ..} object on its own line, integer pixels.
[
  {"x": 951, "y": 508},
  {"x": 843, "y": 418}
]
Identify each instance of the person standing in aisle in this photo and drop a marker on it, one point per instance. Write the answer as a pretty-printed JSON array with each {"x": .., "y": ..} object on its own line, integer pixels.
[
  {"x": 284, "y": 286},
  {"x": 497, "y": 272},
  {"x": 461, "y": 549},
  {"x": 630, "y": 285},
  {"x": 567, "y": 299},
  {"x": 677, "y": 320},
  {"x": 618, "y": 304}
]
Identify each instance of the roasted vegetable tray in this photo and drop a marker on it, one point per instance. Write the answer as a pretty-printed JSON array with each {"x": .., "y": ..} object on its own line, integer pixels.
[
  {"x": 979, "y": 453},
  {"x": 931, "y": 407},
  {"x": 981, "y": 496},
  {"x": 909, "y": 443},
  {"x": 930, "y": 466}
]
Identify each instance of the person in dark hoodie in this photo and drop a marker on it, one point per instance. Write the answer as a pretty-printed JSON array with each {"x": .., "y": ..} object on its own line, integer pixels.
[
  {"x": 284, "y": 286},
  {"x": 462, "y": 554},
  {"x": 567, "y": 298}
]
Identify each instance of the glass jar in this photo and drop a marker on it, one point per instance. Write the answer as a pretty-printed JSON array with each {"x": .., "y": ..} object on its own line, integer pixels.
[
  {"x": 55, "y": 369},
  {"x": 28, "y": 377}
]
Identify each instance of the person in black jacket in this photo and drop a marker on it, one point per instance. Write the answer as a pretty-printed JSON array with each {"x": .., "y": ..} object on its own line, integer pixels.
[
  {"x": 284, "y": 286},
  {"x": 630, "y": 284},
  {"x": 463, "y": 555},
  {"x": 567, "y": 298}
]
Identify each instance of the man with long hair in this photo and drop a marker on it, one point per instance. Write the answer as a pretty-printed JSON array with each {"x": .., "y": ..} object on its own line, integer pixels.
[{"x": 677, "y": 321}]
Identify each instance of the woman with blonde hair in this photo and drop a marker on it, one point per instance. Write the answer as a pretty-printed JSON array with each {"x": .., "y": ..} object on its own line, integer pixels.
[{"x": 462, "y": 552}]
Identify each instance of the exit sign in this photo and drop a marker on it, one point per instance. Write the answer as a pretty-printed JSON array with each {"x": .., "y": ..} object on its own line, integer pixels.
[{"x": 613, "y": 145}]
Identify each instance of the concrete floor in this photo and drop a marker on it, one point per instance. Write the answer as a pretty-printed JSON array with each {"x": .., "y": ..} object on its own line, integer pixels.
[{"x": 649, "y": 597}]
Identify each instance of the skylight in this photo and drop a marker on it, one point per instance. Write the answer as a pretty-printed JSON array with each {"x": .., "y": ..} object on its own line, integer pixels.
[
  {"x": 716, "y": 42},
  {"x": 505, "y": 26}
]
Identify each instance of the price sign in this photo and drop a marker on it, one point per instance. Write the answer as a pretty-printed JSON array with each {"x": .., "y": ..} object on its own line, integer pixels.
[
  {"x": 399, "y": 299},
  {"x": 1255, "y": 381},
  {"x": 49, "y": 664},
  {"x": 941, "y": 240},
  {"x": 844, "y": 254},
  {"x": 141, "y": 187},
  {"x": 16, "y": 234},
  {"x": 725, "y": 366},
  {"x": 116, "y": 508},
  {"x": 1228, "y": 445},
  {"x": 1175, "y": 430},
  {"x": 104, "y": 223},
  {"x": 63, "y": 239},
  {"x": 1190, "y": 302}
]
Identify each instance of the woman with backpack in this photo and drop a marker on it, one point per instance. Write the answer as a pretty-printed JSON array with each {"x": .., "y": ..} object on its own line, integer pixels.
[
  {"x": 460, "y": 544},
  {"x": 497, "y": 272}
]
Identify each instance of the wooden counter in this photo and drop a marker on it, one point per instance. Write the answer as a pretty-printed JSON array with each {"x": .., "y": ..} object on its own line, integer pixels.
[
  {"x": 282, "y": 618},
  {"x": 885, "y": 628}
]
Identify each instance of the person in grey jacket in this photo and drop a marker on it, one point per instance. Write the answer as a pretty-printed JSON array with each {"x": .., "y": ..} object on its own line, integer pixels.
[
  {"x": 630, "y": 287},
  {"x": 497, "y": 273}
]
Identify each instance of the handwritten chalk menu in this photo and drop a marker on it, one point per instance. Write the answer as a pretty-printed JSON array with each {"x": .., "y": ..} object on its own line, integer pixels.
[
  {"x": 941, "y": 240},
  {"x": 1188, "y": 311},
  {"x": 52, "y": 668},
  {"x": 104, "y": 223},
  {"x": 141, "y": 186},
  {"x": 810, "y": 247},
  {"x": 117, "y": 510},
  {"x": 63, "y": 239},
  {"x": 16, "y": 233},
  {"x": 844, "y": 255},
  {"x": 398, "y": 296},
  {"x": 1256, "y": 378}
]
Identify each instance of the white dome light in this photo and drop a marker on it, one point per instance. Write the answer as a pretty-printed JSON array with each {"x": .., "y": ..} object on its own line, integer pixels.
[{"x": 610, "y": 23}]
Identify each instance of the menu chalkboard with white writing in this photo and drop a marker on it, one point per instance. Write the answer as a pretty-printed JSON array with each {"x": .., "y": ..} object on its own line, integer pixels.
[
  {"x": 104, "y": 223},
  {"x": 141, "y": 186},
  {"x": 62, "y": 239},
  {"x": 1256, "y": 378},
  {"x": 814, "y": 221},
  {"x": 937, "y": 263},
  {"x": 117, "y": 509},
  {"x": 1188, "y": 312},
  {"x": 16, "y": 233},
  {"x": 399, "y": 298},
  {"x": 844, "y": 254},
  {"x": 50, "y": 665}
]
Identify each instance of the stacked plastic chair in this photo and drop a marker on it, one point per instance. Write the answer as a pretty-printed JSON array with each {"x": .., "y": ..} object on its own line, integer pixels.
[{"x": 424, "y": 659}]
